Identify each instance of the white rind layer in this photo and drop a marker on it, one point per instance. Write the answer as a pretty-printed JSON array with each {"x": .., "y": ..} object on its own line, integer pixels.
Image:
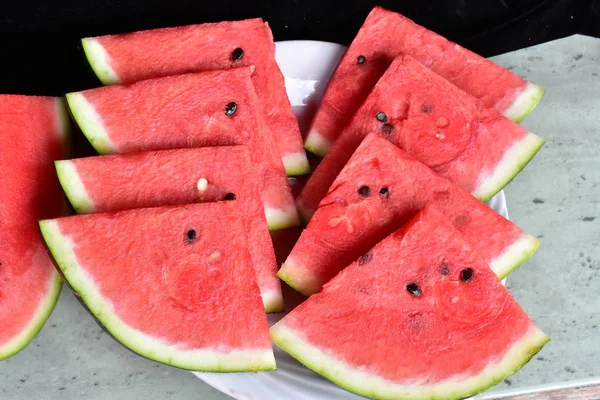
[
  {"x": 296, "y": 164},
  {"x": 273, "y": 301},
  {"x": 524, "y": 103},
  {"x": 99, "y": 61},
  {"x": 515, "y": 255},
  {"x": 90, "y": 123},
  {"x": 360, "y": 381},
  {"x": 317, "y": 143},
  {"x": 141, "y": 343},
  {"x": 512, "y": 162},
  {"x": 278, "y": 218},
  {"x": 45, "y": 307},
  {"x": 73, "y": 187}
]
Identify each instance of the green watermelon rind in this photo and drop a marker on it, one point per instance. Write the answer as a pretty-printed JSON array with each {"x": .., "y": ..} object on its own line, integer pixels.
[
  {"x": 296, "y": 164},
  {"x": 46, "y": 307},
  {"x": 61, "y": 248},
  {"x": 515, "y": 255},
  {"x": 37, "y": 322},
  {"x": 98, "y": 59},
  {"x": 361, "y": 382},
  {"x": 282, "y": 219},
  {"x": 525, "y": 103},
  {"x": 512, "y": 163},
  {"x": 90, "y": 123},
  {"x": 317, "y": 144},
  {"x": 73, "y": 187}
]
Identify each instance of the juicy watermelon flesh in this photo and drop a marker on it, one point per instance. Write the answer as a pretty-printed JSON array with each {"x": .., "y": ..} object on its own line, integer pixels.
[
  {"x": 385, "y": 35},
  {"x": 435, "y": 122},
  {"x": 347, "y": 224},
  {"x": 190, "y": 294},
  {"x": 32, "y": 138},
  {"x": 454, "y": 330},
  {"x": 189, "y": 111},
  {"x": 170, "y": 51},
  {"x": 169, "y": 177}
]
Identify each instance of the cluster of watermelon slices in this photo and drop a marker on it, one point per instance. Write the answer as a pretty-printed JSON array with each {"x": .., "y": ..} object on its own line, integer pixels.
[{"x": 171, "y": 251}]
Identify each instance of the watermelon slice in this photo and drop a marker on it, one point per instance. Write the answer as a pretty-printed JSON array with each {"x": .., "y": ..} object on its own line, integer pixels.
[
  {"x": 380, "y": 188},
  {"x": 182, "y": 176},
  {"x": 205, "y": 109},
  {"x": 174, "y": 284},
  {"x": 420, "y": 316},
  {"x": 141, "y": 55},
  {"x": 443, "y": 127},
  {"x": 385, "y": 35},
  {"x": 34, "y": 134}
]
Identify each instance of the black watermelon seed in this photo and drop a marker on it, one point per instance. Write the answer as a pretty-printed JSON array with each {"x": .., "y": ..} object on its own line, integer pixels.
[
  {"x": 229, "y": 196},
  {"x": 361, "y": 59},
  {"x": 384, "y": 192},
  {"x": 427, "y": 108},
  {"x": 466, "y": 274},
  {"x": 381, "y": 117},
  {"x": 365, "y": 259},
  {"x": 364, "y": 191},
  {"x": 387, "y": 128},
  {"x": 413, "y": 289},
  {"x": 237, "y": 54},
  {"x": 191, "y": 235},
  {"x": 230, "y": 109},
  {"x": 444, "y": 269}
]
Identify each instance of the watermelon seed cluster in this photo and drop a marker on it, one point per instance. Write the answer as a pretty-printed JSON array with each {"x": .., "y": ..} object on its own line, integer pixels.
[
  {"x": 229, "y": 196},
  {"x": 466, "y": 275},
  {"x": 364, "y": 191},
  {"x": 413, "y": 289},
  {"x": 365, "y": 259},
  {"x": 230, "y": 109},
  {"x": 381, "y": 117},
  {"x": 191, "y": 236},
  {"x": 237, "y": 54}
]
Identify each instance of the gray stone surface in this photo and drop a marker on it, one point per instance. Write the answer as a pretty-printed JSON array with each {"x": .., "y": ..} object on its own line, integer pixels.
[{"x": 555, "y": 198}]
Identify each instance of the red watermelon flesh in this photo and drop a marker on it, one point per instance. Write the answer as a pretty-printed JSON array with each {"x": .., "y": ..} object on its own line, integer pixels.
[
  {"x": 174, "y": 284},
  {"x": 385, "y": 35},
  {"x": 34, "y": 132},
  {"x": 181, "y": 176},
  {"x": 135, "y": 56},
  {"x": 437, "y": 123},
  {"x": 420, "y": 316},
  {"x": 212, "y": 108},
  {"x": 379, "y": 189}
]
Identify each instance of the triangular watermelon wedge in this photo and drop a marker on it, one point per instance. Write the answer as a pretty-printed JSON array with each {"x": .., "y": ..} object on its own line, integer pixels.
[
  {"x": 450, "y": 131},
  {"x": 135, "y": 56},
  {"x": 174, "y": 284},
  {"x": 420, "y": 316},
  {"x": 34, "y": 134},
  {"x": 212, "y": 108},
  {"x": 181, "y": 176},
  {"x": 385, "y": 35},
  {"x": 379, "y": 189}
]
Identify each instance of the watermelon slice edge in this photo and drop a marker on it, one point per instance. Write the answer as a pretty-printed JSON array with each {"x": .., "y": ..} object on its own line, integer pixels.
[
  {"x": 38, "y": 321},
  {"x": 370, "y": 385},
  {"x": 90, "y": 123},
  {"x": 236, "y": 361},
  {"x": 525, "y": 102},
  {"x": 98, "y": 60},
  {"x": 512, "y": 163}
]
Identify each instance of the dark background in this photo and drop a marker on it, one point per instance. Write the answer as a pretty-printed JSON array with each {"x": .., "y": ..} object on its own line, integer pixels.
[{"x": 40, "y": 39}]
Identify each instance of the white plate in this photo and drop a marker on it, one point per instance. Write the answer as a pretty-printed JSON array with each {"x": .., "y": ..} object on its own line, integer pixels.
[{"x": 307, "y": 66}]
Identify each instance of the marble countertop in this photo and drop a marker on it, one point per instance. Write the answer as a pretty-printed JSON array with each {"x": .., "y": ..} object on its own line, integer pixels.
[{"x": 555, "y": 198}]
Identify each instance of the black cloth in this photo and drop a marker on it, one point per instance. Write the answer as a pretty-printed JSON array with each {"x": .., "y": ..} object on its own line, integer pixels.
[{"x": 40, "y": 39}]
